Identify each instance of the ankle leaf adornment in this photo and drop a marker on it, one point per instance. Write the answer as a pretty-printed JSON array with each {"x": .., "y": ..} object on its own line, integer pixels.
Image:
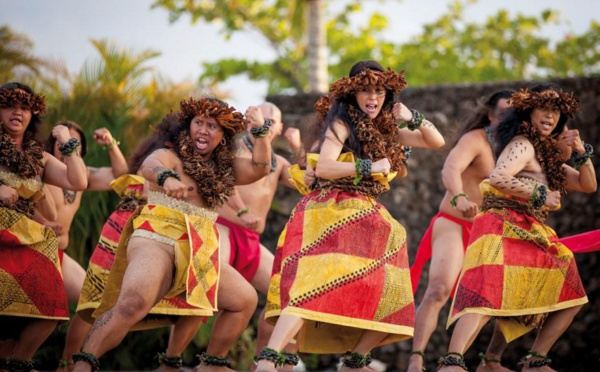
[
  {"x": 88, "y": 358},
  {"x": 213, "y": 360},
  {"x": 542, "y": 361},
  {"x": 355, "y": 360},
  {"x": 452, "y": 359},
  {"x": 19, "y": 365},
  {"x": 271, "y": 355},
  {"x": 486, "y": 359},
  {"x": 290, "y": 358},
  {"x": 422, "y": 354},
  {"x": 170, "y": 361}
]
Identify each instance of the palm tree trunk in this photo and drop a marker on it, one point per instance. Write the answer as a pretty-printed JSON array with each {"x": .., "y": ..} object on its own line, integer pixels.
[{"x": 317, "y": 47}]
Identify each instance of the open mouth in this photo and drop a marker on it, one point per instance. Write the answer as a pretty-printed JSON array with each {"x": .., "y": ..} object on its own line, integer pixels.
[
  {"x": 201, "y": 143},
  {"x": 371, "y": 108}
]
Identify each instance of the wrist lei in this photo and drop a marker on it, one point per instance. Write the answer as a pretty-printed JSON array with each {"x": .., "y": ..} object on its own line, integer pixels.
[
  {"x": 362, "y": 169},
  {"x": 455, "y": 198},
  {"x": 112, "y": 144},
  {"x": 263, "y": 130},
  {"x": 162, "y": 176},
  {"x": 415, "y": 122},
  {"x": 538, "y": 197},
  {"x": 69, "y": 147},
  {"x": 242, "y": 211},
  {"x": 580, "y": 159}
]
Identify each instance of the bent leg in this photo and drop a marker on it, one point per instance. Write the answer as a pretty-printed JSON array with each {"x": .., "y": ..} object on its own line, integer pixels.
[
  {"x": 490, "y": 362},
  {"x": 446, "y": 263},
  {"x": 76, "y": 334},
  {"x": 466, "y": 329},
  {"x": 237, "y": 302},
  {"x": 32, "y": 337},
  {"x": 139, "y": 292},
  {"x": 554, "y": 326}
]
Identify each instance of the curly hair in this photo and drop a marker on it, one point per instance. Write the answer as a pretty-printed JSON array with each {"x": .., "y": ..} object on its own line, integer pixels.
[
  {"x": 161, "y": 137},
  {"x": 15, "y": 93}
]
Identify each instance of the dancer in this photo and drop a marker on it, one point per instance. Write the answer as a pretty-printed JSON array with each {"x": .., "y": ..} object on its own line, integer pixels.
[
  {"x": 32, "y": 291},
  {"x": 468, "y": 163},
  {"x": 67, "y": 204},
  {"x": 174, "y": 236},
  {"x": 245, "y": 216},
  {"x": 515, "y": 269},
  {"x": 340, "y": 279}
]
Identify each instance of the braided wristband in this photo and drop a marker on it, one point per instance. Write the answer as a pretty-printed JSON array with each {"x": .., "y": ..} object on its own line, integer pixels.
[
  {"x": 355, "y": 360},
  {"x": 415, "y": 122},
  {"x": 88, "y": 358},
  {"x": 213, "y": 360},
  {"x": 69, "y": 147},
  {"x": 173, "y": 361},
  {"x": 242, "y": 211},
  {"x": 162, "y": 176},
  {"x": 579, "y": 160},
  {"x": 271, "y": 355},
  {"x": 263, "y": 130},
  {"x": 112, "y": 144}
]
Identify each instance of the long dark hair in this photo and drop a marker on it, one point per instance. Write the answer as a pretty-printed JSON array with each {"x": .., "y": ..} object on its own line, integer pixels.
[
  {"x": 162, "y": 137},
  {"x": 51, "y": 141},
  {"x": 35, "y": 125},
  {"x": 339, "y": 110},
  {"x": 479, "y": 118},
  {"x": 509, "y": 127}
]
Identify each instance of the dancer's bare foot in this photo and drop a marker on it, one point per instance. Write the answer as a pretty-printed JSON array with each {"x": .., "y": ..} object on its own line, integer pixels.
[
  {"x": 265, "y": 366},
  {"x": 492, "y": 367},
  {"x": 415, "y": 363}
]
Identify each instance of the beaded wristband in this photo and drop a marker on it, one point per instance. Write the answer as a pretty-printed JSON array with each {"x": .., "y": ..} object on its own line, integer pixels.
[
  {"x": 365, "y": 167},
  {"x": 19, "y": 365},
  {"x": 162, "y": 176},
  {"x": 538, "y": 197},
  {"x": 263, "y": 130},
  {"x": 415, "y": 122},
  {"x": 69, "y": 147},
  {"x": 580, "y": 159},
  {"x": 242, "y": 211},
  {"x": 455, "y": 197},
  {"x": 290, "y": 359}
]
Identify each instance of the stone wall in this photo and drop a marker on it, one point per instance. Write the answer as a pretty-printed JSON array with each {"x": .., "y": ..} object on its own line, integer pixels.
[{"x": 415, "y": 199}]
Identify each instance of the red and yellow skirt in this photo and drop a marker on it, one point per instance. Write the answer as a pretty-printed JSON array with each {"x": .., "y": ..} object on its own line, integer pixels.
[{"x": 341, "y": 265}]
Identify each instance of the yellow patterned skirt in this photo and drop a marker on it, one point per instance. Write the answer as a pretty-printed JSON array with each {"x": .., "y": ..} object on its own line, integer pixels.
[
  {"x": 515, "y": 269},
  {"x": 341, "y": 265},
  {"x": 191, "y": 231}
]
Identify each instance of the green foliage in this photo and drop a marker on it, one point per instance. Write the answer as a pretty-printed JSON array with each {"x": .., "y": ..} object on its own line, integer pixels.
[{"x": 503, "y": 46}]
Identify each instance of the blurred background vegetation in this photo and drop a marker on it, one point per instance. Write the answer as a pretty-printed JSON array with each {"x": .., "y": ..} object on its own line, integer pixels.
[{"x": 116, "y": 90}]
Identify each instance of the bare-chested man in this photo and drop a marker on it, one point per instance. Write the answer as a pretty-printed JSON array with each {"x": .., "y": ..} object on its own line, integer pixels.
[
  {"x": 173, "y": 249},
  {"x": 245, "y": 217},
  {"x": 67, "y": 204},
  {"x": 469, "y": 162}
]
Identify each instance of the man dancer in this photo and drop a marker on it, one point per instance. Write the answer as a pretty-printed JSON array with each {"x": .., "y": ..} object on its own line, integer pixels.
[{"x": 174, "y": 236}]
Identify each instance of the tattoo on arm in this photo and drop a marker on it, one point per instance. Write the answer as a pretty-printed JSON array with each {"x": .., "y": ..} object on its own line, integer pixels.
[
  {"x": 158, "y": 169},
  {"x": 428, "y": 124},
  {"x": 93, "y": 170}
]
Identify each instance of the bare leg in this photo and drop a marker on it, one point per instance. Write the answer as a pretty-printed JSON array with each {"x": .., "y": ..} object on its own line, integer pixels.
[
  {"x": 139, "y": 292},
  {"x": 446, "y": 263},
  {"x": 465, "y": 331},
  {"x": 32, "y": 337},
  {"x": 182, "y": 333},
  {"x": 74, "y": 276},
  {"x": 237, "y": 301},
  {"x": 365, "y": 344},
  {"x": 286, "y": 328},
  {"x": 556, "y": 324},
  {"x": 78, "y": 330},
  {"x": 494, "y": 351}
]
